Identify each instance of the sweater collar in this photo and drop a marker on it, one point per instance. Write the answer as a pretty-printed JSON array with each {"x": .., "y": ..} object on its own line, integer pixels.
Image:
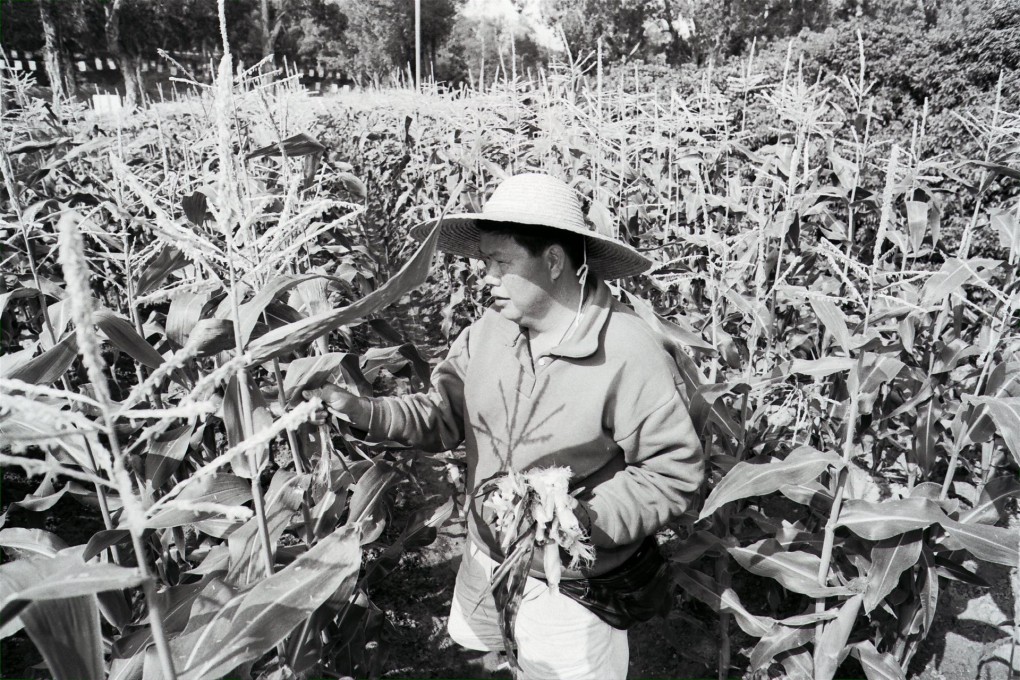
[{"x": 584, "y": 340}]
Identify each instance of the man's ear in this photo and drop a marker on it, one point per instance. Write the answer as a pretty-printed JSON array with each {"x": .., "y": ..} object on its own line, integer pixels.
[{"x": 556, "y": 260}]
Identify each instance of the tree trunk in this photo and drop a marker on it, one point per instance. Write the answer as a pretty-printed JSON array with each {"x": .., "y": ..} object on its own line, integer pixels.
[
  {"x": 267, "y": 36},
  {"x": 57, "y": 68},
  {"x": 677, "y": 50},
  {"x": 117, "y": 52}
]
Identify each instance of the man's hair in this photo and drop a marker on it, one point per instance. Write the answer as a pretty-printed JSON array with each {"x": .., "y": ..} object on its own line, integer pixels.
[{"x": 535, "y": 239}]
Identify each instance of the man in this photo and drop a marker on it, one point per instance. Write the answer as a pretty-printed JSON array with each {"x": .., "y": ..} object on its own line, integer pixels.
[{"x": 556, "y": 373}]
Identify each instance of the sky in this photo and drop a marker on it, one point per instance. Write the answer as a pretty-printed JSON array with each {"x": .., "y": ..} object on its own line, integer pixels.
[{"x": 522, "y": 16}]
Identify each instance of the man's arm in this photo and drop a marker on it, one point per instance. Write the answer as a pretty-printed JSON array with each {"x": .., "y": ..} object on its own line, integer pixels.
[
  {"x": 433, "y": 421},
  {"x": 664, "y": 469}
]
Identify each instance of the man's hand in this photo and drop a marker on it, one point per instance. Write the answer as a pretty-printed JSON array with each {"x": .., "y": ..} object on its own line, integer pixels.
[{"x": 341, "y": 403}]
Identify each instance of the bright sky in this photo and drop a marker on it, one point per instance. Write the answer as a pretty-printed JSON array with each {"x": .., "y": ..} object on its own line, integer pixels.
[{"x": 524, "y": 16}]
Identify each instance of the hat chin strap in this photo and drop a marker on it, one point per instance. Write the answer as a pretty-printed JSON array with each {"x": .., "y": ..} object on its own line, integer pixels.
[{"x": 582, "y": 276}]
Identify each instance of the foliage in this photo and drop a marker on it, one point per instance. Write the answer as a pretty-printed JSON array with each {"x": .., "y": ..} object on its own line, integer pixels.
[
  {"x": 234, "y": 514},
  {"x": 852, "y": 373}
]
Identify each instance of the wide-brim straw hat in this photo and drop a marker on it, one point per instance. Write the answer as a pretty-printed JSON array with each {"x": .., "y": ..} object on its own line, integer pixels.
[{"x": 544, "y": 202}]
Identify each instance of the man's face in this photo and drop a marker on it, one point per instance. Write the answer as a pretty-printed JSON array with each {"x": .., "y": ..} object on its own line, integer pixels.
[{"x": 520, "y": 281}]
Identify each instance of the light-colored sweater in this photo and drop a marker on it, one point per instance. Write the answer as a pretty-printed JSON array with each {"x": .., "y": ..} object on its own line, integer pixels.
[{"x": 604, "y": 403}]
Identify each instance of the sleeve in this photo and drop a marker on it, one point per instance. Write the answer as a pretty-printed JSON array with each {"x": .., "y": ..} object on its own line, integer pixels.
[
  {"x": 432, "y": 421},
  {"x": 662, "y": 472}
]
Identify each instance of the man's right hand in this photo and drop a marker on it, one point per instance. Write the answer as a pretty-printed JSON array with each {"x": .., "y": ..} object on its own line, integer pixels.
[{"x": 343, "y": 404}]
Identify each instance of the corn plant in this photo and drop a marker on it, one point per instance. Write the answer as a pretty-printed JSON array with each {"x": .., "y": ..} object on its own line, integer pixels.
[{"x": 234, "y": 514}]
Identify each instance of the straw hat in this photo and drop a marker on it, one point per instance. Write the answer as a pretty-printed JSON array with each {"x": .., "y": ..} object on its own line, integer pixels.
[{"x": 544, "y": 202}]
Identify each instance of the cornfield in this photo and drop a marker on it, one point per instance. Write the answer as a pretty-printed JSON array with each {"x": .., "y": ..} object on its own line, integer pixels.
[{"x": 843, "y": 310}]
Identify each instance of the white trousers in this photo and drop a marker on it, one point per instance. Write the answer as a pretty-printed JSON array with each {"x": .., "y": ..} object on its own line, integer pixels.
[{"x": 557, "y": 638}]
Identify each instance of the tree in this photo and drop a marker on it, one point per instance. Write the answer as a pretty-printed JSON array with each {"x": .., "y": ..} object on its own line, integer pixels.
[
  {"x": 380, "y": 33},
  {"x": 124, "y": 61},
  {"x": 317, "y": 30},
  {"x": 437, "y": 19},
  {"x": 620, "y": 24},
  {"x": 60, "y": 75}
]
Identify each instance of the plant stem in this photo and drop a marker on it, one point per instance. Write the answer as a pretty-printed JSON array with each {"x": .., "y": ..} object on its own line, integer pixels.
[
  {"x": 299, "y": 463},
  {"x": 840, "y": 487},
  {"x": 248, "y": 427}
]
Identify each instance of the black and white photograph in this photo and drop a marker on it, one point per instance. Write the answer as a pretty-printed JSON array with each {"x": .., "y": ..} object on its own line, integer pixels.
[{"x": 510, "y": 339}]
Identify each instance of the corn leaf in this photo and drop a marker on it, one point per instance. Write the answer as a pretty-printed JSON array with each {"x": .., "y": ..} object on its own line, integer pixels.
[
  {"x": 991, "y": 505},
  {"x": 996, "y": 168},
  {"x": 43, "y": 498},
  {"x": 67, "y": 633},
  {"x": 877, "y": 369},
  {"x": 123, "y": 336},
  {"x": 890, "y": 558},
  {"x": 196, "y": 208},
  {"x": 1003, "y": 382},
  {"x": 313, "y": 372},
  {"x": 184, "y": 314},
  {"x": 353, "y": 184},
  {"x": 255, "y": 621},
  {"x": 795, "y": 571},
  {"x": 831, "y": 648},
  {"x": 929, "y": 595},
  {"x": 282, "y": 501},
  {"x": 64, "y": 575},
  {"x": 667, "y": 330},
  {"x": 251, "y": 311},
  {"x": 723, "y": 600},
  {"x": 368, "y": 490},
  {"x": 819, "y": 368},
  {"x": 746, "y": 479},
  {"x": 404, "y": 361},
  {"x": 885, "y": 519},
  {"x": 799, "y": 666},
  {"x": 876, "y": 665},
  {"x": 367, "y": 496},
  {"x": 917, "y": 223},
  {"x": 15, "y": 295},
  {"x": 101, "y": 540},
  {"x": 166, "y": 453},
  {"x": 24, "y": 542},
  {"x": 301, "y": 144},
  {"x": 951, "y": 277},
  {"x": 1005, "y": 413},
  {"x": 778, "y": 640},
  {"x": 293, "y": 336},
  {"x": 127, "y": 668},
  {"x": 992, "y": 544},
  {"x": 50, "y": 365},
  {"x": 168, "y": 260},
  {"x": 222, "y": 489},
  {"x": 834, "y": 320},
  {"x": 209, "y": 336},
  {"x": 811, "y": 494},
  {"x": 233, "y": 417},
  {"x": 706, "y": 406}
]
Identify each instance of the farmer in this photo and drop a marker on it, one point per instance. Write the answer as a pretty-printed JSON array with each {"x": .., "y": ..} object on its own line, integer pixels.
[{"x": 556, "y": 372}]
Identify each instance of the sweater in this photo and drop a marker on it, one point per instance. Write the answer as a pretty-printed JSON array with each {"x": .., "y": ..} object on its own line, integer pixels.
[{"x": 604, "y": 402}]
